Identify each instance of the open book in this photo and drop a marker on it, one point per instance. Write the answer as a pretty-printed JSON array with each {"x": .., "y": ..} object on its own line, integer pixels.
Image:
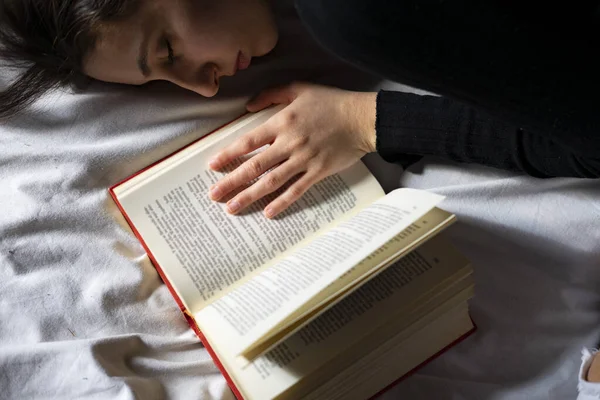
[{"x": 343, "y": 293}]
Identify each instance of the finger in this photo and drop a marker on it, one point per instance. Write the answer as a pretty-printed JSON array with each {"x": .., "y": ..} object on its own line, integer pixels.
[
  {"x": 291, "y": 195},
  {"x": 279, "y": 95},
  {"x": 249, "y": 142},
  {"x": 269, "y": 183},
  {"x": 247, "y": 172}
]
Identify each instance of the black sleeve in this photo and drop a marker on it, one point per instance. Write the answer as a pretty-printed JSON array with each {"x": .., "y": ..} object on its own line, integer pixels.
[
  {"x": 520, "y": 89},
  {"x": 427, "y": 125}
]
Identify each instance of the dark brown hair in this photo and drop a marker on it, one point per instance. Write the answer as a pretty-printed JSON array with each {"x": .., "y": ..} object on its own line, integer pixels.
[{"x": 47, "y": 42}]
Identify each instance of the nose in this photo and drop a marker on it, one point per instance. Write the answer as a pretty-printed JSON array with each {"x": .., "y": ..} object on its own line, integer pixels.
[{"x": 203, "y": 80}]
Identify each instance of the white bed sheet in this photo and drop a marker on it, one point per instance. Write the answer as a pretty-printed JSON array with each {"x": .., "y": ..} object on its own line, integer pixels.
[
  {"x": 85, "y": 316},
  {"x": 535, "y": 248}
]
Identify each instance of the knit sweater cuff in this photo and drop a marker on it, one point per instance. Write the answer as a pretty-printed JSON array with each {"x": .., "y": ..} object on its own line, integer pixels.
[{"x": 408, "y": 124}]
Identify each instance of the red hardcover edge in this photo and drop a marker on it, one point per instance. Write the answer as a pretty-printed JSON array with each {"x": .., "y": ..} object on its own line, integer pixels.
[
  {"x": 430, "y": 359},
  {"x": 186, "y": 314},
  {"x": 190, "y": 320}
]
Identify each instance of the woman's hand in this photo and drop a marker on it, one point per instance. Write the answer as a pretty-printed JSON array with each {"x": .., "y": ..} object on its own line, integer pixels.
[{"x": 322, "y": 131}]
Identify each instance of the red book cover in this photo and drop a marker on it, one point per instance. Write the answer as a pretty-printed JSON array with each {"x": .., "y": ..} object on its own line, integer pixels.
[{"x": 190, "y": 319}]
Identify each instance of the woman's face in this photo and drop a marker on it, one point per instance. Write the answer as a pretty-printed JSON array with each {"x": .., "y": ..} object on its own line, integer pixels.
[{"x": 192, "y": 43}]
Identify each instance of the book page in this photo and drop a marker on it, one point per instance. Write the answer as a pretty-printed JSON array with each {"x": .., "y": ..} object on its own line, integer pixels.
[
  {"x": 254, "y": 310},
  {"x": 242, "y": 124},
  {"x": 431, "y": 223},
  {"x": 205, "y": 252},
  {"x": 393, "y": 300},
  {"x": 401, "y": 245}
]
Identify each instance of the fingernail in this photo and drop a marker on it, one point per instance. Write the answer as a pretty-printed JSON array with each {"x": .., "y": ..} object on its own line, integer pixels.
[
  {"x": 269, "y": 212},
  {"x": 233, "y": 206},
  {"x": 215, "y": 193},
  {"x": 213, "y": 163}
]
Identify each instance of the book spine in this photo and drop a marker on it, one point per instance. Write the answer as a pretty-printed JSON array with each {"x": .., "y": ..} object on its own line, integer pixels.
[{"x": 187, "y": 315}]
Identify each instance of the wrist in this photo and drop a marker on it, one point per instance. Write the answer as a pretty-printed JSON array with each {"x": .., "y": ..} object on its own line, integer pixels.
[{"x": 362, "y": 116}]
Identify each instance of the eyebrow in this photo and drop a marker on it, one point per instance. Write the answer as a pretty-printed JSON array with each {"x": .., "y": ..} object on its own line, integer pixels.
[{"x": 142, "y": 60}]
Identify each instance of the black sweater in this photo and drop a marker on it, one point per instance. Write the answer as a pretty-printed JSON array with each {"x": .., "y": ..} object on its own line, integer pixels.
[
  {"x": 427, "y": 125},
  {"x": 519, "y": 82}
]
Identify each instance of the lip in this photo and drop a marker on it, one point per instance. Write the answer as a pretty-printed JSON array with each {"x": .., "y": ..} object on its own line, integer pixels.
[{"x": 243, "y": 61}]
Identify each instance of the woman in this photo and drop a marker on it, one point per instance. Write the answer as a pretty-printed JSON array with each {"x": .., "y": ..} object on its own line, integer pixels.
[{"x": 519, "y": 83}]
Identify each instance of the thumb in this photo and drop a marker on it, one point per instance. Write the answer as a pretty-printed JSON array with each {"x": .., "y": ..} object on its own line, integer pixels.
[{"x": 280, "y": 95}]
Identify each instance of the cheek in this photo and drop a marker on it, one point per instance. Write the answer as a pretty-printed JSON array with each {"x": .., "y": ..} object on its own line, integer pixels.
[
  {"x": 260, "y": 28},
  {"x": 209, "y": 36},
  {"x": 230, "y": 20},
  {"x": 268, "y": 41},
  {"x": 227, "y": 26},
  {"x": 213, "y": 46},
  {"x": 113, "y": 66}
]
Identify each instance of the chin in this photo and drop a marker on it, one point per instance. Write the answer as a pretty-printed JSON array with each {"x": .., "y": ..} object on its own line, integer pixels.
[{"x": 267, "y": 44}]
